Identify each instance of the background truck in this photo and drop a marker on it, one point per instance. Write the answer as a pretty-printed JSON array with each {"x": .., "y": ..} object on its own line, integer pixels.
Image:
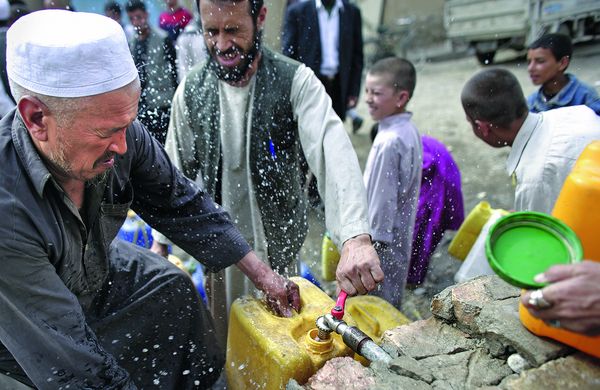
[{"x": 489, "y": 25}]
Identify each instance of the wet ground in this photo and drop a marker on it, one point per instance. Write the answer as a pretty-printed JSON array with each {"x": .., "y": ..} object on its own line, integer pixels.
[{"x": 438, "y": 113}]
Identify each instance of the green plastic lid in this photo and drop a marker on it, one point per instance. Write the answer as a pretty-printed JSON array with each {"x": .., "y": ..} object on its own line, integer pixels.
[{"x": 523, "y": 244}]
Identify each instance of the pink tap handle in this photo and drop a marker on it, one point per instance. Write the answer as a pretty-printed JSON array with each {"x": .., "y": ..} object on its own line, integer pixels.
[{"x": 338, "y": 311}]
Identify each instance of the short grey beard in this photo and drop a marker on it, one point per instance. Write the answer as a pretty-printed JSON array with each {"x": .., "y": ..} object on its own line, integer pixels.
[{"x": 97, "y": 180}]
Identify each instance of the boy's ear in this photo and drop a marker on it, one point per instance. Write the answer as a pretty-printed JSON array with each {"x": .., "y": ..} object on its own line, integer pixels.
[
  {"x": 33, "y": 112},
  {"x": 563, "y": 63},
  {"x": 403, "y": 98}
]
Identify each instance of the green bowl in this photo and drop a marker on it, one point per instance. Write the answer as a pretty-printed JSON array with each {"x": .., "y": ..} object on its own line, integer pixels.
[{"x": 523, "y": 244}]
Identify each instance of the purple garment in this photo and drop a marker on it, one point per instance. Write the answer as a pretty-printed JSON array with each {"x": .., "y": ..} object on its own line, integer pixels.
[{"x": 440, "y": 206}]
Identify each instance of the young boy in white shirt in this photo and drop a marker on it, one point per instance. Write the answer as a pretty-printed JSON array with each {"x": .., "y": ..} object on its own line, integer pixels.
[{"x": 393, "y": 171}]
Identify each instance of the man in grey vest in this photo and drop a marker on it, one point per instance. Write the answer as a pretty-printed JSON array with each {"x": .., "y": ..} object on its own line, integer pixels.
[{"x": 241, "y": 122}]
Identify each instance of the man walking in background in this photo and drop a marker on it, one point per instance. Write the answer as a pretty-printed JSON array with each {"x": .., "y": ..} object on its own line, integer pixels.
[
  {"x": 326, "y": 35},
  {"x": 154, "y": 56}
]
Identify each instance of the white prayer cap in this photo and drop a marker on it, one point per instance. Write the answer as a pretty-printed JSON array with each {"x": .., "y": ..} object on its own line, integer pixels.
[
  {"x": 68, "y": 54},
  {"x": 4, "y": 10}
]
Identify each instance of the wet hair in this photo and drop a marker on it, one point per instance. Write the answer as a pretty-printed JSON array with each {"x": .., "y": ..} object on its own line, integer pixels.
[
  {"x": 135, "y": 5},
  {"x": 559, "y": 44},
  {"x": 112, "y": 6},
  {"x": 494, "y": 95},
  {"x": 255, "y": 6},
  {"x": 401, "y": 73}
]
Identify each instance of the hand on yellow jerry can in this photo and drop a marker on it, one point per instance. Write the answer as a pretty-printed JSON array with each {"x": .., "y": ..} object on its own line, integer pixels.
[
  {"x": 282, "y": 294},
  {"x": 359, "y": 270}
]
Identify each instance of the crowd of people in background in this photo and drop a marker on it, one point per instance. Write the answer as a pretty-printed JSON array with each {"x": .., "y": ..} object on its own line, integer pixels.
[{"x": 222, "y": 144}]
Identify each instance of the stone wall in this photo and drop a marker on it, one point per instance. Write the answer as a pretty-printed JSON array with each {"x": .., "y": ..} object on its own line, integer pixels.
[{"x": 474, "y": 340}]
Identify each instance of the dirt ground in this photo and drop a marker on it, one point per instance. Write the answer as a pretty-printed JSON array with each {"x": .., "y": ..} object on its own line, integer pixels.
[{"x": 438, "y": 113}]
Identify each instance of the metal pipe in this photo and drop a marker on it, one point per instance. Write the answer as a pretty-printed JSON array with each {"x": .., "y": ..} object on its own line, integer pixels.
[{"x": 356, "y": 339}]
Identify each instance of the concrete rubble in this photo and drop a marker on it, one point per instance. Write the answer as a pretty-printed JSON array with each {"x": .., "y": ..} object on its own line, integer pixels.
[{"x": 473, "y": 340}]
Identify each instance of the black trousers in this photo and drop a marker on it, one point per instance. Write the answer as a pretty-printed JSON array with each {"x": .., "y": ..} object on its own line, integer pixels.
[
  {"x": 333, "y": 88},
  {"x": 165, "y": 332}
]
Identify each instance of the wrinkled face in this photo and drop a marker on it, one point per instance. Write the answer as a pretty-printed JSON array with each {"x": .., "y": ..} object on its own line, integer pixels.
[
  {"x": 231, "y": 38},
  {"x": 543, "y": 67},
  {"x": 86, "y": 146},
  {"x": 381, "y": 97},
  {"x": 139, "y": 20}
]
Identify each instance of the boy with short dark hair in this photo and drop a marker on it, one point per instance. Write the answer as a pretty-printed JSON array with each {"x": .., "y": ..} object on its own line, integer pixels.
[
  {"x": 393, "y": 171},
  {"x": 548, "y": 58}
]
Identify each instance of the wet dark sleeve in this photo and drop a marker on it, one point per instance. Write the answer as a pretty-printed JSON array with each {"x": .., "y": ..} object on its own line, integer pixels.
[
  {"x": 177, "y": 207},
  {"x": 42, "y": 324}
]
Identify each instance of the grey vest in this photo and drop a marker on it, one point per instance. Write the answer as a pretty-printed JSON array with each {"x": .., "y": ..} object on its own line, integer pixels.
[
  {"x": 275, "y": 151},
  {"x": 160, "y": 87}
]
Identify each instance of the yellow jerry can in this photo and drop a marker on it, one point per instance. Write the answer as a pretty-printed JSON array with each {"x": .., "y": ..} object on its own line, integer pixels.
[
  {"x": 374, "y": 315},
  {"x": 265, "y": 351},
  {"x": 330, "y": 257}
]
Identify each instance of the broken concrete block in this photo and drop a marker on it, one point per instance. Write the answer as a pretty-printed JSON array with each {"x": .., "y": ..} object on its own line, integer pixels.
[
  {"x": 577, "y": 371},
  {"x": 426, "y": 338},
  {"x": 409, "y": 367},
  {"x": 390, "y": 381},
  {"x": 441, "y": 305},
  {"x": 499, "y": 322},
  {"x": 449, "y": 369},
  {"x": 341, "y": 373},
  {"x": 463, "y": 302},
  {"x": 485, "y": 370}
]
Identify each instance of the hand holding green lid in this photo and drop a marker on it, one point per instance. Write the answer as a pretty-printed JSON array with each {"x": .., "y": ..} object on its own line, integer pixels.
[{"x": 573, "y": 292}]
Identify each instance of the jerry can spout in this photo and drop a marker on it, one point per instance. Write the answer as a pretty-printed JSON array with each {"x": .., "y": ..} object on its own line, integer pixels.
[{"x": 353, "y": 337}]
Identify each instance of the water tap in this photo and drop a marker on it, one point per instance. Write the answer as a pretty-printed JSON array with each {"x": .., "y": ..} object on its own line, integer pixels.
[
  {"x": 338, "y": 310},
  {"x": 353, "y": 337}
]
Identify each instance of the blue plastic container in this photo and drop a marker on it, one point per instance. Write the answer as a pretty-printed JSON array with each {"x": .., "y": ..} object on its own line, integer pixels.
[
  {"x": 135, "y": 230},
  {"x": 306, "y": 274},
  {"x": 198, "y": 279}
]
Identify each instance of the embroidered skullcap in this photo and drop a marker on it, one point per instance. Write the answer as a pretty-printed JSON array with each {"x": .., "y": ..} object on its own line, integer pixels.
[{"x": 68, "y": 54}]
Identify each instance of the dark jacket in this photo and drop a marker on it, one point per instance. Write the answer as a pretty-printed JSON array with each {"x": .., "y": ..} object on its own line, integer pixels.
[{"x": 302, "y": 41}]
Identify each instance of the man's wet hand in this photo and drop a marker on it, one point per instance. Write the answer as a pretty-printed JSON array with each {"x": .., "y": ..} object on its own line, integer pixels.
[{"x": 282, "y": 295}]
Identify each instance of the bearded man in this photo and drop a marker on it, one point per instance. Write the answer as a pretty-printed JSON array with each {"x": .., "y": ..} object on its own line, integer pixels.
[{"x": 242, "y": 122}]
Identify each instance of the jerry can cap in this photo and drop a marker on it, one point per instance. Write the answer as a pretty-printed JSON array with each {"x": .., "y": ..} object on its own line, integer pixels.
[{"x": 523, "y": 244}]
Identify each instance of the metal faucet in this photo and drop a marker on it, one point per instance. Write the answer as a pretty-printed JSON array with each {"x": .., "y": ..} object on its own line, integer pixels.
[{"x": 353, "y": 337}]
